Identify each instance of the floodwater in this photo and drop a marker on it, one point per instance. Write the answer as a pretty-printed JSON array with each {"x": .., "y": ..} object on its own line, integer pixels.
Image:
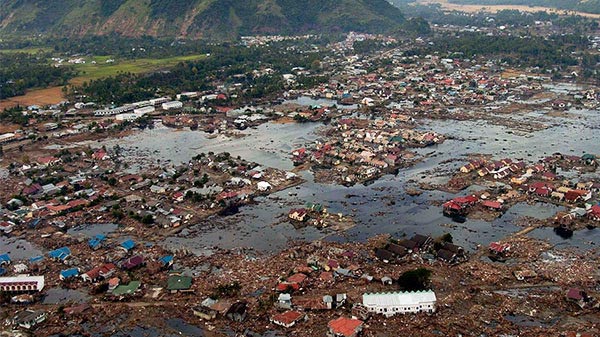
[
  {"x": 382, "y": 207},
  {"x": 18, "y": 249},
  {"x": 62, "y": 296},
  {"x": 91, "y": 230},
  {"x": 266, "y": 144},
  {"x": 309, "y": 101}
]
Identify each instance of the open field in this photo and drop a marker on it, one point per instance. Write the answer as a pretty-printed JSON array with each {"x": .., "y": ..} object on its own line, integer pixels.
[
  {"x": 496, "y": 8},
  {"x": 101, "y": 69},
  {"x": 90, "y": 71},
  {"x": 45, "y": 96}
]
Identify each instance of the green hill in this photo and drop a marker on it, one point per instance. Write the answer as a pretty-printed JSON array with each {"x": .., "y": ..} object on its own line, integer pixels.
[{"x": 194, "y": 18}]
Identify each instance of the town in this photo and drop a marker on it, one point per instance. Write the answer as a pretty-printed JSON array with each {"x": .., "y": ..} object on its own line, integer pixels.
[{"x": 384, "y": 187}]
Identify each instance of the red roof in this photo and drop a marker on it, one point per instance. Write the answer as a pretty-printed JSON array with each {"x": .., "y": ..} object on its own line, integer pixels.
[
  {"x": 47, "y": 160},
  {"x": 287, "y": 318},
  {"x": 595, "y": 210},
  {"x": 99, "y": 154},
  {"x": 575, "y": 294},
  {"x": 345, "y": 326},
  {"x": 285, "y": 286},
  {"x": 78, "y": 202},
  {"x": 499, "y": 247},
  {"x": 326, "y": 276},
  {"x": 297, "y": 278},
  {"x": 542, "y": 191},
  {"x": 492, "y": 204},
  {"x": 452, "y": 205},
  {"x": 465, "y": 200}
]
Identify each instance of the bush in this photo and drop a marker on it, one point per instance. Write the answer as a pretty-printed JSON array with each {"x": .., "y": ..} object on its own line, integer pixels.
[{"x": 413, "y": 280}]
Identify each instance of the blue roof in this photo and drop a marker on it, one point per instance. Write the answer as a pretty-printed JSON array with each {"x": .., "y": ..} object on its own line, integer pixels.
[
  {"x": 128, "y": 245},
  {"x": 60, "y": 253},
  {"x": 36, "y": 258},
  {"x": 4, "y": 258},
  {"x": 166, "y": 259},
  {"x": 96, "y": 240},
  {"x": 69, "y": 273},
  {"x": 35, "y": 222}
]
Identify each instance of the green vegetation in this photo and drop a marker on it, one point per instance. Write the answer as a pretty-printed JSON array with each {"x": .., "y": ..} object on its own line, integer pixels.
[
  {"x": 22, "y": 71},
  {"x": 414, "y": 280},
  {"x": 101, "y": 69},
  {"x": 208, "y": 19},
  {"x": 534, "y": 51},
  {"x": 225, "y": 61}
]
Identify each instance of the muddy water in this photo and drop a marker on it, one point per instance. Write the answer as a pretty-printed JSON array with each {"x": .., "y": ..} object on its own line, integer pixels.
[
  {"x": 383, "y": 207},
  {"x": 268, "y": 144},
  {"x": 58, "y": 296},
  {"x": 18, "y": 249},
  {"x": 308, "y": 101}
]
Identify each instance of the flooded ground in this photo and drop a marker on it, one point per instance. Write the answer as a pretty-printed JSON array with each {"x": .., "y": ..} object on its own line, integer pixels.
[
  {"x": 60, "y": 296},
  {"x": 383, "y": 207},
  {"x": 268, "y": 144},
  {"x": 18, "y": 249},
  {"x": 311, "y": 102},
  {"x": 91, "y": 230}
]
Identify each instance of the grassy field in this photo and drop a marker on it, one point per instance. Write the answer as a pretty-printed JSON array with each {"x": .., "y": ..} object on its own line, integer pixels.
[{"x": 90, "y": 71}]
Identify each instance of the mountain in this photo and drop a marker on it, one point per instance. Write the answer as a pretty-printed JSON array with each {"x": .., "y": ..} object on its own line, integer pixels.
[{"x": 213, "y": 19}]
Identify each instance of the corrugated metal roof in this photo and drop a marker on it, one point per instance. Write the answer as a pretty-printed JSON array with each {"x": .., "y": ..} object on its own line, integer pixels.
[{"x": 398, "y": 298}]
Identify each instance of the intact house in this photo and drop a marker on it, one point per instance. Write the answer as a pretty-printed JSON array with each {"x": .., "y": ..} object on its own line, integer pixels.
[
  {"x": 344, "y": 327},
  {"x": 287, "y": 319},
  {"x": 103, "y": 272},
  {"x": 390, "y": 304}
]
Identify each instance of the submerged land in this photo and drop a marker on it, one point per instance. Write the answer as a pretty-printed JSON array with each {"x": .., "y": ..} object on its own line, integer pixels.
[{"x": 361, "y": 184}]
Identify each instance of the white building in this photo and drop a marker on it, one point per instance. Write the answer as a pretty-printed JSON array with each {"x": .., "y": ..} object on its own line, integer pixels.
[
  {"x": 144, "y": 110},
  {"x": 172, "y": 105},
  {"x": 390, "y": 304},
  {"x": 192, "y": 94},
  {"x": 127, "y": 117},
  {"x": 157, "y": 101},
  {"x": 7, "y": 137},
  {"x": 22, "y": 283}
]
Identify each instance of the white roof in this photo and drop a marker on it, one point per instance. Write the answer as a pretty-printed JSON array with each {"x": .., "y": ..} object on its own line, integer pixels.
[
  {"x": 7, "y": 135},
  {"x": 24, "y": 278},
  {"x": 398, "y": 299}
]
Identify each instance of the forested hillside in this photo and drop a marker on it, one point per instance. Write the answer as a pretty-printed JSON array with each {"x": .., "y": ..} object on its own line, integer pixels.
[{"x": 213, "y": 19}]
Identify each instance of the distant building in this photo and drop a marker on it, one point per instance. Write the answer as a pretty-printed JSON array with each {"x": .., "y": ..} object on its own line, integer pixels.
[
  {"x": 172, "y": 105},
  {"x": 390, "y": 304}
]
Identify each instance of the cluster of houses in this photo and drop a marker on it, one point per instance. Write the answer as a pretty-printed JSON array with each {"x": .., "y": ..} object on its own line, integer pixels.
[
  {"x": 63, "y": 267},
  {"x": 424, "y": 246},
  {"x": 359, "y": 150},
  {"x": 543, "y": 181},
  {"x": 85, "y": 183}
]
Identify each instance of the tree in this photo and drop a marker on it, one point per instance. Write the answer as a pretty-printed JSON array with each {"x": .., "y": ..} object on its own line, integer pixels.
[
  {"x": 414, "y": 280},
  {"x": 148, "y": 219}
]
